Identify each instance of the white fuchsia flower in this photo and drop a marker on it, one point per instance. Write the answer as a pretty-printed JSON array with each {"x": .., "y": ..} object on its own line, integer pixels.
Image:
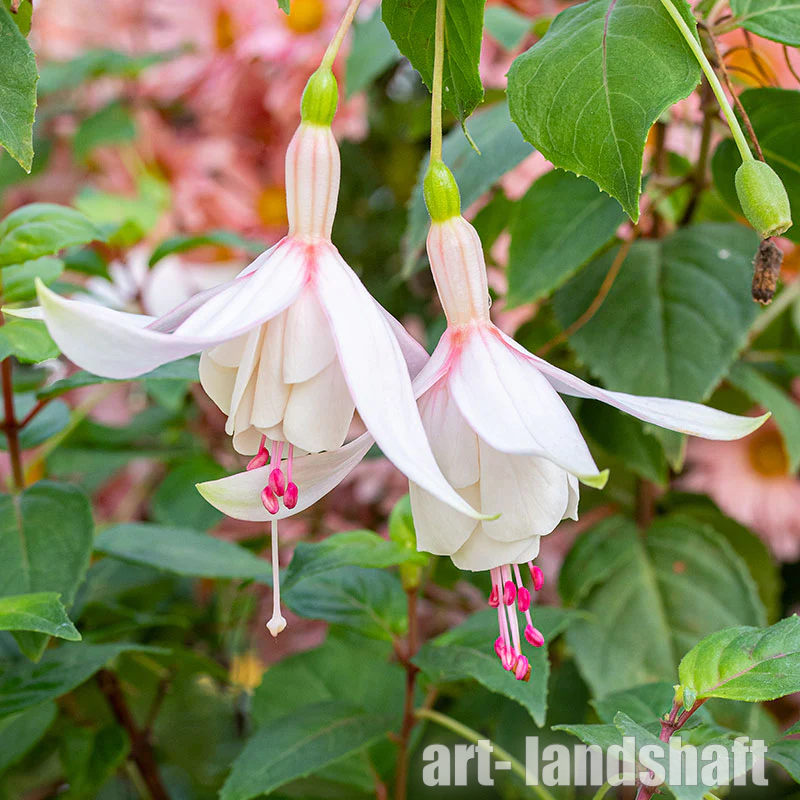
[
  {"x": 290, "y": 348},
  {"x": 501, "y": 433}
]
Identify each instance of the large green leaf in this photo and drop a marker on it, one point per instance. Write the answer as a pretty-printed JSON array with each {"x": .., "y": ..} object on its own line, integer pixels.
[
  {"x": 353, "y": 548},
  {"x": 745, "y": 663},
  {"x": 467, "y": 652},
  {"x": 650, "y": 598},
  {"x": 560, "y": 224},
  {"x": 111, "y": 125},
  {"x": 18, "y": 77},
  {"x": 778, "y": 20},
  {"x": 19, "y": 281},
  {"x": 370, "y": 601},
  {"x": 20, "y": 732},
  {"x": 177, "y": 501},
  {"x": 676, "y": 316},
  {"x": 41, "y": 229},
  {"x": 502, "y": 148},
  {"x": 787, "y": 754},
  {"x": 775, "y": 115},
  {"x": 27, "y": 340},
  {"x": 182, "y": 551},
  {"x": 24, "y": 684},
  {"x": 45, "y": 545},
  {"x": 300, "y": 744},
  {"x": 371, "y": 53},
  {"x": 41, "y": 612},
  {"x": 587, "y": 94},
  {"x": 411, "y": 24}
]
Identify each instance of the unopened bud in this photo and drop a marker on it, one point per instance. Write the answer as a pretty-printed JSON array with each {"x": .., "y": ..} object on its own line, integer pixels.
[
  {"x": 763, "y": 198},
  {"x": 441, "y": 192},
  {"x": 320, "y": 98}
]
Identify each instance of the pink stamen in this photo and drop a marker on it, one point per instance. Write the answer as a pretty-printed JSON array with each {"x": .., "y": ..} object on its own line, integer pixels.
[
  {"x": 290, "y": 495},
  {"x": 523, "y": 599},
  {"x": 494, "y": 597},
  {"x": 507, "y": 656},
  {"x": 522, "y": 670},
  {"x": 277, "y": 480},
  {"x": 269, "y": 500},
  {"x": 261, "y": 458},
  {"x": 533, "y": 636},
  {"x": 509, "y": 593},
  {"x": 537, "y": 576},
  {"x": 499, "y": 647}
]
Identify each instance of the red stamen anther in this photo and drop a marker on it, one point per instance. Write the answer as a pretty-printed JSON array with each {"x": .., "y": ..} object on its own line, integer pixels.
[
  {"x": 260, "y": 459},
  {"x": 277, "y": 481},
  {"x": 509, "y": 593},
  {"x": 269, "y": 500},
  {"x": 499, "y": 647},
  {"x": 537, "y": 576},
  {"x": 534, "y": 636},
  {"x": 523, "y": 599},
  {"x": 494, "y": 597},
  {"x": 509, "y": 659},
  {"x": 522, "y": 670},
  {"x": 290, "y": 495}
]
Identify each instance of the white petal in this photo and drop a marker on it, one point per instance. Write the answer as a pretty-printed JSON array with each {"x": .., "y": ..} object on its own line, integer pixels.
[
  {"x": 272, "y": 394},
  {"x": 217, "y": 382},
  {"x": 239, "y": 496},
  {"x": 454, "y": 443},
  {"x": 574, "y": 498},
  {"x": 414, "y": 353},
  {"x": 531, "y": 493},
  {"x": 683, "y": 416},
  {"x": 480, "y": 553},
  {"x": 308, "y": 345},
  {"x": 440, "y": 529},
  {"x": 377, "y": 375},
  {"x": 512, "y": 407},
  {"x": 435, "y": 368},
  {"x": 244, "y": 389},
  {"x": 319, "y": 411},
  {"x": 229, "y": 354},
  {"x": 35, "y": 312}
]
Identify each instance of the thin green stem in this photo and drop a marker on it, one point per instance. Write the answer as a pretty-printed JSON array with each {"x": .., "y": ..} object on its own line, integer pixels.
[
  {"x": 473, "y": 736},
  {"x": 436, "y": 89},
  {"x": 716, "y": 86},
  {"x": 602, "y": 792},
  {"x": 341, "y": 32}
]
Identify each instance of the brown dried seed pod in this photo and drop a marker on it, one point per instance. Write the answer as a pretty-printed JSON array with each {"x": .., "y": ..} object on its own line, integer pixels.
[{"x": 767, "y": 266}]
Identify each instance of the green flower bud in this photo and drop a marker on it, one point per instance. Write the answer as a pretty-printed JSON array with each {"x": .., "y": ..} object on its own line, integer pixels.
[
  {"x": 441, "y": 192},
  {"x": 763, "y": 197},
  {"x": 320, "y": 98}
]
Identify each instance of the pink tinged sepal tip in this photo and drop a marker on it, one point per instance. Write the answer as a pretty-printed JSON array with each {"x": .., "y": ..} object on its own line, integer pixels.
[
  {"x": 533, "y": 636},
  {"x": 290, "y": 495},
  {"x": 277, "y": 481},
  {"x": 259, "y": 460},
  {"x": 537, "y": 576},
  {"x": 509, "y": 593},
  {"x": 523, "y": 599},
  {"x": 270, "y": 501},
  {"x": 494, "y": 597},
  {"x": 522, "y": 670}
]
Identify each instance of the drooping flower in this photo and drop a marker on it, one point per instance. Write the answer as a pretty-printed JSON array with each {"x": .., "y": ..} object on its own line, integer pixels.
[
  {"x": 500, "y": 432},
  {"x": 290, "y": 348}
]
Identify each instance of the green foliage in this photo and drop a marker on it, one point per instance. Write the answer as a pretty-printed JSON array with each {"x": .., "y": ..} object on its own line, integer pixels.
[
  {"x": 372, "y": 52},
  {"x": 19, "y": 281},
  {"x": 112, "y": 124},
  {"x": 90, "y": 758},
  {"x": 182, "y": 551},
  {"x": 45, "y": 544},
  {"x": 687, "y": 310},
  {"x": 18, "y": 78},
  {"x": 41, "y": 229},
  {"x": 681, "y": 577},
  {"x": 587, "y": 94},
  {"x": 20, "y": 732},
  {"x": 560, "y": 224},
  {"x": 27, "y": 340},
  {"x": 184, "y": 243},
  {"x": 41, "y": 612},
  {"x": 411, "y": 25},
  {"x": 506, "y": 25},
  {"x": 778, "y": 20}
]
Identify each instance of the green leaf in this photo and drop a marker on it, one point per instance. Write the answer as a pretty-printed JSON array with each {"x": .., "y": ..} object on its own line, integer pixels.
[
  {"x": 27, "y": 340},
  {"x": 300, "y": 744},
  {"x": 506, "y": 26},
  {"x": 502, "y": 148},
  {"x": 284, "y": 5},
  {"x": 560, "y": 224},
  {"x": 745, "y": 663},
  {"x": 686, "y": 305},
  {"x": 181, "y": 243},
  {"x": 354, "y": 548},
  {"x": 372, "y": 52},
  {"x": 40, "y": 611},
  {"x": 112, "y": 124},
  {"x": 467, "y": 652},
  {"x": 177, "y": 502},
  {"x": 91, "y": 757},
  {"x": 411, "y": 24},
  {"x": 778, "y": 20},
  {"x": 22, "y": 16},
  {"x": 786, "y": 753},
  {"x": 182, "y": 551},
  {"x": 18, "y": 282},
  {"x": 682, "y": 579},
  {"x": 369, "y": 601},
  {"x": 18, "y": 78},
  {"x": 45, "y": 545},
  {"x": 24, "y": 684},
  {"x": 20, "y": 732},
  {"x": 41, "y": 229},
  {"x": 767, "y": 394},
  {"x": 183, "y": 370},
  {"x": 643, "y": 704},
  {"x": 627, "y": 439},
  {"x": 50, "y": 421},
  {"x": 587, "y": 94},
  {"x": 775, "y": 115}
]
